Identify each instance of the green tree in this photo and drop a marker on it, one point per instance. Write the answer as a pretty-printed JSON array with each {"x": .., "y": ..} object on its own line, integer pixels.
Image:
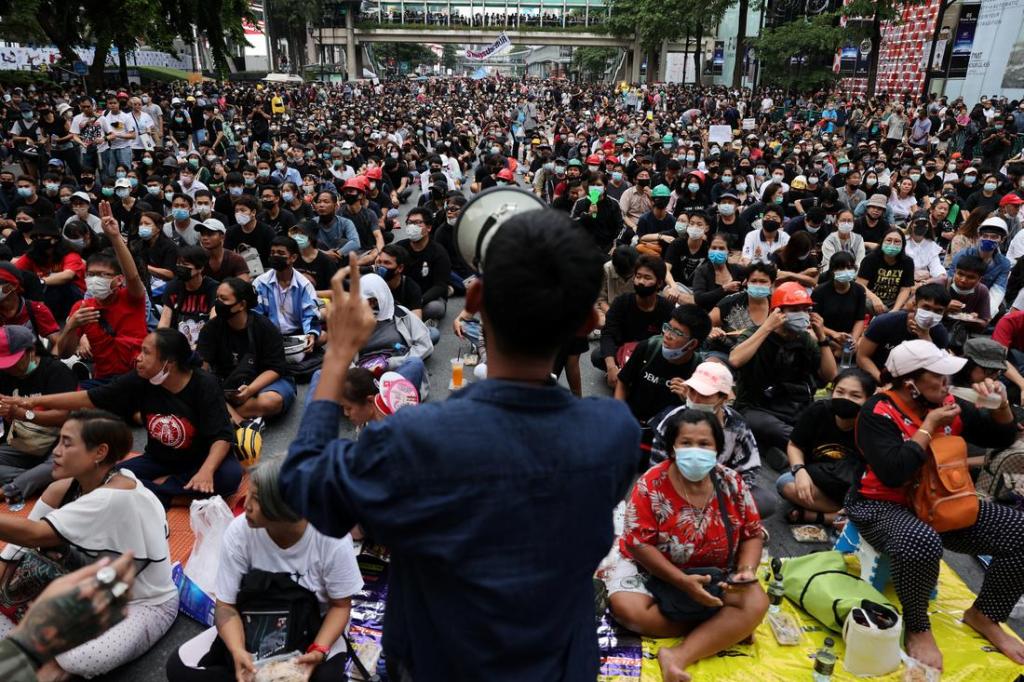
[
  {"x": 414, "y": 53},
  {"x": 449, "y": 59},
  {"x": 291, "y": 19},
  {"x": 592, "y": 62},
  {"x": 69, "y": 24},
  {"x": 811, "y": 42}
]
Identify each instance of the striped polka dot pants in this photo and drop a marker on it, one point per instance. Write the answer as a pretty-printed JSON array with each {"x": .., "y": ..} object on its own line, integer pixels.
[{"x": 915, "y": 550}]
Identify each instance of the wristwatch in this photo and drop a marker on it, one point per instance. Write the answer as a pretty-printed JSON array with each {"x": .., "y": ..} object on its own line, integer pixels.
[
  {"x": 796, "y": 467},
  {"x": 30, "y": 415},
  {"x": 824, "y": 342}
]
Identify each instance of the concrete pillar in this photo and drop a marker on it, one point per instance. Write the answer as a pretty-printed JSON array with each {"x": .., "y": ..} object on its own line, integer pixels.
[
  {"x": 663, "y": 60},
  {"x": 350, "y": 46},
  {"x": 636, "y": 54}
]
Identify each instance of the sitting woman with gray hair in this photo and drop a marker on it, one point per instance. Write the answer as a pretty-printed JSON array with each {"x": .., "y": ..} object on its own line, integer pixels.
[{"x": 273, "y": 538}]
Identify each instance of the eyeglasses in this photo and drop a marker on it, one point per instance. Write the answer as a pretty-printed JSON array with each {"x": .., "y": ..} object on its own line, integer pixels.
[{"x": 669, "y": 330}]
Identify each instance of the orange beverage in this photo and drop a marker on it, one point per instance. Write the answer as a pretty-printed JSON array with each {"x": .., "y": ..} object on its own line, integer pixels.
[{"x": 457, "y": 366}]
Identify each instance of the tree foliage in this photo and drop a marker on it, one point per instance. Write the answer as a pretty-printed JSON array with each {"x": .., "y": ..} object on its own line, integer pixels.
[
  {"x": 592, "y": 62},
  {"x": 70, "y": 24},
  {"x": 290, "y": 19},
  {"x": 414, "y": 53},
  {"x": 799, "y": 54},
  {"x": 449, "y": 58}
]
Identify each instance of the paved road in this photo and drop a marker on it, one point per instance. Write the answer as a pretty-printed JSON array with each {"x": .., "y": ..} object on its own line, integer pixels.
[{"x": 151, "y": 667}]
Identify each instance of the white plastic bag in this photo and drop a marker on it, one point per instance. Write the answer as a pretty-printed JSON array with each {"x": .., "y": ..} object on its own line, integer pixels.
[{"x": 209, "y": 518}]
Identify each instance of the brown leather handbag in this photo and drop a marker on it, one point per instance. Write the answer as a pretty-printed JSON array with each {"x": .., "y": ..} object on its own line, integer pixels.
[{"x": 943, "y": 495}]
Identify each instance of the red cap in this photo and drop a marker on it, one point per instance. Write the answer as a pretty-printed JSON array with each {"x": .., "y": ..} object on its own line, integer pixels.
[
  {"x": 1011, "y": 199},
  {"x": 375, "y": 173},
  {"x": 611, "y": 159},
  {"x": 608, "y": 146},
  {"x": 355, "y": 183},
  {"x": 14, "y": 341},
  {"x": 506, "y": 174},
  {"x": 593, "y": 160}
]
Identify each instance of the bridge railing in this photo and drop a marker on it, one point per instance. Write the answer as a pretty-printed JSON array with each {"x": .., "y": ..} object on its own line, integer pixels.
[{"x": 593, "y": 22}]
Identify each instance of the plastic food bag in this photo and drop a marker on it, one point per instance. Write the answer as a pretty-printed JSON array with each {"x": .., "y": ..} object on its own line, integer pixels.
[{"x": 208, "y": 518}]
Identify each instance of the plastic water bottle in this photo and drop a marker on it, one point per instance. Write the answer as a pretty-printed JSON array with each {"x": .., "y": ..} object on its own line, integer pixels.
[
  {"x": 848, "y": 356},
  {"x": 825, "y": 662},
  {"x": 776, "y": 591}
]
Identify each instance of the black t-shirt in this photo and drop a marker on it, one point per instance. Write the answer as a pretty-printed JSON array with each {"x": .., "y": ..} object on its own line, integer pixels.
[
  {"x": 782, "y": 375},
  {"x": 874, "y": 234},
  {"x": 319, "y": 270},
  {"x": 181, "y": 426},
  {"x": 840, "y": 311},
  {"x": 890, "y": 330},
  {"x": 885, "y": 280},
  {"x": 819, "y": 437},
  {"x": 51, "y": 376},
  {"x": 284, "y": 221},
  {"x": 259, "y": 239},
  {"x": 190, "y": 310},
  {"x": 646, "y": 374},
  {"x": 162, "y": 253},
  {"x": 221, "y": 347},
  {"x": 683, "y": 261},
  {"x": 626, "y": 322},
  {"x": 430, "y": 269},
  {"x": 408, "y": 294}
]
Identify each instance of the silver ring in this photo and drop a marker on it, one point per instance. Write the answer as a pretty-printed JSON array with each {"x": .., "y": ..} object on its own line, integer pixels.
[
  {"x": 106, "y": 576},
  {"x": 119, "y": 588}
]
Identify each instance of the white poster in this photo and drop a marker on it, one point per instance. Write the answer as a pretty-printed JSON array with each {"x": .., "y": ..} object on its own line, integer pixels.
[
  {"x": 500, "y": 45},
  {"x": 997, "y": 57},
  {"x": 679, "y": 67},
  {"x": 721, "y": 134}
]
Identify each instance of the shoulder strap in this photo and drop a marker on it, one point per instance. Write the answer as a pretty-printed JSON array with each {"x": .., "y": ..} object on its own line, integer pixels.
[
  {"x": 902, "y": 406},
  {"x": 652, "y": 350},
  {"x": 726, "y": 522}
]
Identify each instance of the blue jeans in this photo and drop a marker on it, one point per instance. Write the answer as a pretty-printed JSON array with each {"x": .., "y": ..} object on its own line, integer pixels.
[
  {"x": 284, "y": 387},
  {"x": 114, "y": 157}
]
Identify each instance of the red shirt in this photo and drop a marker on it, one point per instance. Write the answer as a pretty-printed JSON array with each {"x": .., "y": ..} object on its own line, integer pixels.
[
  {"x": 657, "y": 515},
  {"x": 71, "y": 261},
  {"x": 1009, "y": 330},
  {"x": 41, "y": 316},
  {"x": 123, "y": 315}
]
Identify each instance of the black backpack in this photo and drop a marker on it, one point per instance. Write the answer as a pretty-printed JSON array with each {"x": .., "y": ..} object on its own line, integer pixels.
[{"x": 278, "y": 614}]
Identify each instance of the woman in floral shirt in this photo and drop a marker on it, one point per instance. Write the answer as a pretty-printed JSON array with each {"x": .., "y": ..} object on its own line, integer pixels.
[{"x": 673, "y": 525}]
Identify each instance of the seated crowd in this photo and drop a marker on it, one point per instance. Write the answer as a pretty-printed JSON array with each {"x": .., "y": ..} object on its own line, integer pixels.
[{"x": 799, "y": 300}]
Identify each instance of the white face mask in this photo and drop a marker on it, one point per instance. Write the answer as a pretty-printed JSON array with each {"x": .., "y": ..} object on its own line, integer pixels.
[
  {"x": 845, "y": 228},
  {"x": 242, "y": 218},
  {"x": 414, "y": 232},
  {"x": 204, "y": 209},
  {"x": 700, "y": 407},
  {"x": 98, "y": 287},
  {"x": 926, "y": 319},
  {"x": 161, "y": 376}
]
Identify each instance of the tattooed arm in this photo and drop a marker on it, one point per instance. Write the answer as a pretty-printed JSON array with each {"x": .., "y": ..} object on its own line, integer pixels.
[
  {"x": 229, "y": 627},
  {"x": 74, "y": 609}
]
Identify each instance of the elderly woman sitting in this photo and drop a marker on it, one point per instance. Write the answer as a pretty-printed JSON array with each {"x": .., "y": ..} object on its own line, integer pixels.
[
  {"x": 691, "y": 544},
  {"x": 273, "y": 538}
]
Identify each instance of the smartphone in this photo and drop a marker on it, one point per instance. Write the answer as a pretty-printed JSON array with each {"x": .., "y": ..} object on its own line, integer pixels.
[{"x": 731, "y": 580}]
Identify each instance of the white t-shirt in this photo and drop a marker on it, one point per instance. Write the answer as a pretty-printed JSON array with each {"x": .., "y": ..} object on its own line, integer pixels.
[
  {"x": 323, "y": 565},
  {"x": 144, "y": 124},
  {"x": 120, "y": 123},
  {"x": 111, "y": 521},
  {"x": 757, "y": 250}
]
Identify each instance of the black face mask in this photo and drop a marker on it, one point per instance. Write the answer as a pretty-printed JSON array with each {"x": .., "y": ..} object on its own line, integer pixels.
[
  {"x": 642, "y": 182},
  {"x": 351, "y": 199},
  {"x": 268, "y": 203},
  {"x": 7, "y": 185},
  {"x": 25, "y": 226},
  {"x": 644, "y": 290},
  {"x": 183, "y": 272},
  {"x": 278, "y": 262},
  {"x": 770, "y": 225},
  {"x": 661, "y": 202},
  {"x": 223, "y": 310},
  {"x": 844, "y": 408},
  {"x": 921, "y": 230}
]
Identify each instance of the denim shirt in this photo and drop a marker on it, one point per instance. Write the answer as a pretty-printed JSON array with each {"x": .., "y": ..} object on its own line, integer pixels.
[{"x": 497, "y": 508}]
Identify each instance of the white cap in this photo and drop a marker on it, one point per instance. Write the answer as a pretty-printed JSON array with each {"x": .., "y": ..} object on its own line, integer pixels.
[
  {"x": 122, "y": 183},
  {"x": 911, "y": 356},
  {"x": 213, "y": 225},
  {"x": 82, "y": 195},
  {"x": 994, "y": 223},
  {"x": 710, "y": 378}
]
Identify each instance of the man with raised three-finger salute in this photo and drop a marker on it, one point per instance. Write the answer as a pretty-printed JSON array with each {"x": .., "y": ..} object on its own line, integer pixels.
[
  {"x": 110, "y": 323},
  {"x": 503, "y": 592}
]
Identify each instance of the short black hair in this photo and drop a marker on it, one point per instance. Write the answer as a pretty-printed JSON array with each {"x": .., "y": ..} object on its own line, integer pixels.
[
  {"x": 173, "y": 346},
  {"x": 287, "y": 242},
  {"x": 694, "y": 318},
  {"x": 970, "y": 263},
  {"x": 867, "y": 382},
  {"x": 105, "y": 257},
  {"x": 398, "y": 252},
  {"x": 652, "y": 263},
  {"x": 688, "y": 416},
  {"x": 624, "y": 259},
  {"x": 99, "y": 427},
  {"x": 543, "y": 276},
  {"x": 841, "y": 260},
  {"x": 244, "y": 291},
  {"x": 767, "y": 268},
  {"x": 195, "y": 255},
  {"x": 936, "y": 293}
]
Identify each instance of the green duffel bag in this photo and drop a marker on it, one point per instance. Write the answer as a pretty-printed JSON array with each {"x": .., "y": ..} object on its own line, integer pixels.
[{"x": 820, "y": 584}]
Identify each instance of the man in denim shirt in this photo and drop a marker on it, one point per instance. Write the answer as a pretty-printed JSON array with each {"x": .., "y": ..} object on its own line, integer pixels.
[{"x": 496, "y": 504}]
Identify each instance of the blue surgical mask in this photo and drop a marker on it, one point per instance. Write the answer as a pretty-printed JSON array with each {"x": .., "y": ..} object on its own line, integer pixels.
[
  {"x": 695, "y": 463},
  {"x": 180, "y": 213},
  {"x": 24, "y": 192},
  {"x": 988, "y": 245},
  {"x": 845, "y": 276},
  {"x": 891, "y": 249},
  {"x": 301, "y": 240},
  {"x": 672, "y": 353},
  {"x": 617, "y": 176},
  {"x": 693, "y": 187},
  {"x": 718, "y": 257},
  {"x": 145, "y": 231},
  {"x": 798, "y": 321},
  {"x": 727, "y": 209},
  {"x": 759, "y": 290}
]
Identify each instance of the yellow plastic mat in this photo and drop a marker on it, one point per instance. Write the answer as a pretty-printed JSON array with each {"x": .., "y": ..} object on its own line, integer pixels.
[{"x": 967, "y": 656}]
